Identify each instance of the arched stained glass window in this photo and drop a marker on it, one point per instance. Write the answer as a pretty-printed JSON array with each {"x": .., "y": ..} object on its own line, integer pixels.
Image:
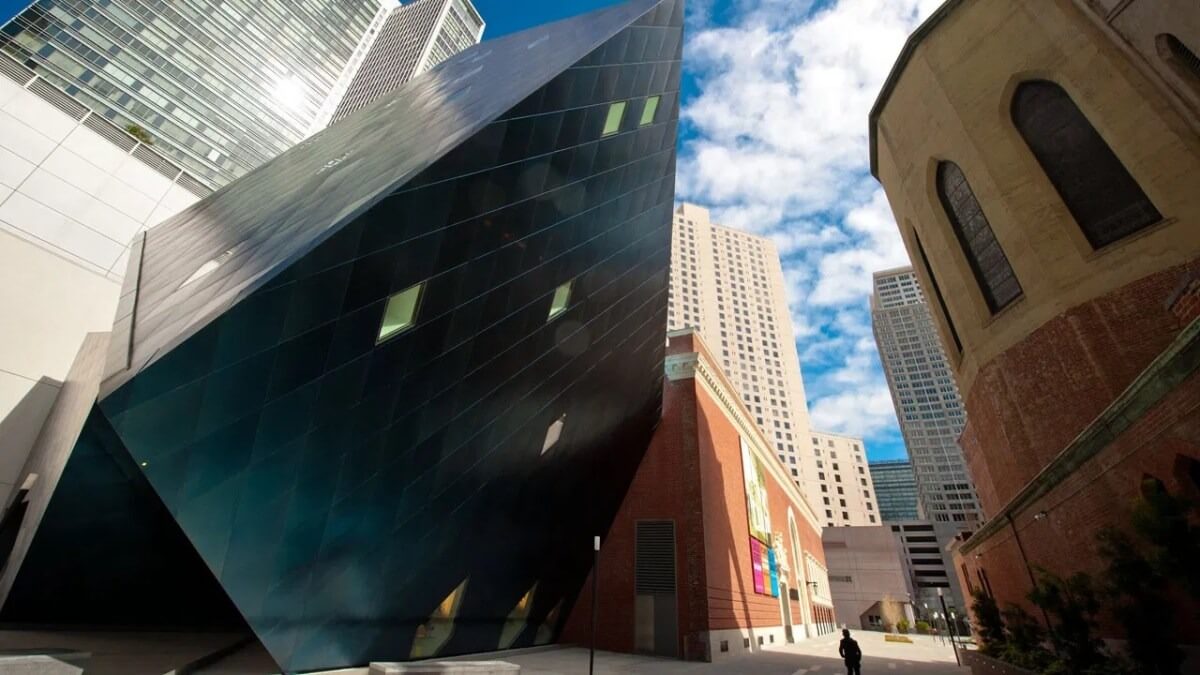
[
  {"x": 1104, "y": 199},
  {"x": 992, "y": 271}
]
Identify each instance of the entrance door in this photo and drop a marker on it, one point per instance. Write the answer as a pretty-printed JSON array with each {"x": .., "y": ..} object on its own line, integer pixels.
[
  {"x": 656, "y": 617},
  {"x": 787, "y": 612}
]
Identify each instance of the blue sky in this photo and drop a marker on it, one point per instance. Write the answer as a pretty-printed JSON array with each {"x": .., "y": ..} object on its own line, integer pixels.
[{"x": 774, "y": 141}]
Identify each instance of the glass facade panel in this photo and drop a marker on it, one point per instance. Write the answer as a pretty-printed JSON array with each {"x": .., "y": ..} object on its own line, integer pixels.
[{"x": 255, "y": 71}]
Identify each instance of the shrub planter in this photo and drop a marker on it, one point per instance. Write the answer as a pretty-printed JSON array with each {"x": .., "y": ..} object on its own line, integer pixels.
[{"x": 986, "y": 665}]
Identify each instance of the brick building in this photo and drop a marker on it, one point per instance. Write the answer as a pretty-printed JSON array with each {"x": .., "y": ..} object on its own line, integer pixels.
[
  {"x": 678, "y": 575},
  {"x": 1047, "y": 196}
]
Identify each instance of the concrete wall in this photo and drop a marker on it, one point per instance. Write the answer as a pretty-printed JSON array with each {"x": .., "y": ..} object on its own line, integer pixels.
[
  {"x": 70, "y": 202},
  {"x": 865, "y": 571}
]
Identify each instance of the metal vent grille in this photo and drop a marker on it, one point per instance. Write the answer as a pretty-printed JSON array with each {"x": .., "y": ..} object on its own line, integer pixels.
[
  {"x": 15, "y": 71},
  {"x": 110, "y": 132},
  {"x": 55, "y": 97},
  {"x": 654, "y": 569},
  {"x": 155, "y": 161},
  {"x": 187, "y": 182}
]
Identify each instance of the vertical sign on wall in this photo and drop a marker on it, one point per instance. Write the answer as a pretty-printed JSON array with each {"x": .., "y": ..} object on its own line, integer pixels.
[
  {"x": 773, "y": 568},
  {"x": 758, "y": 517},
  {"x": 756, "y": 496},
  {"x": 756, "y": 549}
]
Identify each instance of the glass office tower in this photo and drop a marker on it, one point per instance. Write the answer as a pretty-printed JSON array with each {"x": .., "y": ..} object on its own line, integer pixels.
[
  {"x": 219, "y": 86},
  {"x": 895, "y": 489}
]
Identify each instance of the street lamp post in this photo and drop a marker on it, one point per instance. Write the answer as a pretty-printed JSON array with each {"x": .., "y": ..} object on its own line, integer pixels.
[
  {"x": 949, "y": 626},
  {"x": 595, "y": 584}
]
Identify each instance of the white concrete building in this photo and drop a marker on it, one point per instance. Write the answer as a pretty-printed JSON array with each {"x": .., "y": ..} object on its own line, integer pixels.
[
  {"x": 729, "y": 285},
  {"x": 74, "y": 190},
  {"x": 839, "y": 480},
  {"x": 926, "y": 398}
]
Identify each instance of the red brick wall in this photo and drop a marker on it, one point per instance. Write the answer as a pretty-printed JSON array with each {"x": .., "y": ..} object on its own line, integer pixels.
[
  {"x": 1028, "y": 403},
  {"x": 692, "y": 474},
  {"x": 666, "y": 487},
  {"x": 1098, "y": 494}
]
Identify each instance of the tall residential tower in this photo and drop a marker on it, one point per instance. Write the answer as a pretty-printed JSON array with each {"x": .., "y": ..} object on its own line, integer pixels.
[
  {"x": 927, "y": 403},
  {"x": 728, "y": 285}
]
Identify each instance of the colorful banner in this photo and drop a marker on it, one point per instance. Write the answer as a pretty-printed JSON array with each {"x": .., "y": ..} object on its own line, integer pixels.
[
  {"x": 774, "y": 569},
  {"x": 757, "y": 514},
  {"x": 756, "y": 561}
]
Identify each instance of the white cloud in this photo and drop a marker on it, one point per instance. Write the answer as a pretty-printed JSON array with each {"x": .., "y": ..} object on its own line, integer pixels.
[
  {"x": 777, "y": 145},
  {"x": 860, "y": 411}
]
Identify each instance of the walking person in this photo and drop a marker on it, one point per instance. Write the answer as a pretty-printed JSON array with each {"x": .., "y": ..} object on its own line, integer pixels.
[{"x": 849, "y": 651}]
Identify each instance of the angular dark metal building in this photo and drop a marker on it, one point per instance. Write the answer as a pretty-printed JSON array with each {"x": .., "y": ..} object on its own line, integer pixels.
[{"x": 375, "y": 398}]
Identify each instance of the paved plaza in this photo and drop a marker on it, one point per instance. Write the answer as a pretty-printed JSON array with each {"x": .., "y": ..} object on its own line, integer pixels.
[{"x": 925, "y": 656}]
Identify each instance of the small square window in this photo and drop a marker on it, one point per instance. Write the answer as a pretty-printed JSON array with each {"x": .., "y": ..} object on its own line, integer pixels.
[
  {"x": 612, "y": 123},
  {"x": 400, "y": 313},
  {"x": 648, "y": 111},
  {"x": 562, "y": 299}
]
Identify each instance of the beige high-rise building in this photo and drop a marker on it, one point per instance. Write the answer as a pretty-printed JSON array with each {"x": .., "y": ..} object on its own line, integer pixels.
[
  {"x": 728, "y": 285},
  {"x": 839, "y": 480}
]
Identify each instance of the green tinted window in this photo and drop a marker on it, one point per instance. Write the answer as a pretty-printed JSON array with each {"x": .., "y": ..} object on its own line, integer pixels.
[
  {"x": 648, "y": 111},
  {"x": 562, "y": 298},
  {"x": 400, "y": 312},
  {"x": 613, "y": 122}
]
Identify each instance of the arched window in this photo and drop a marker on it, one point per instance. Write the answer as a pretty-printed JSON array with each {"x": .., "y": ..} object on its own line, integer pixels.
[
  {"x": 1177, "y": 55},
  {"x": 937, "y": 293},
  {"x": 988, "y": 262},
  {"x": 1104, "y": 199}
]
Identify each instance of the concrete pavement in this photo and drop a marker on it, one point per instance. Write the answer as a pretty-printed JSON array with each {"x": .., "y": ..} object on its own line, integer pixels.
[{"x": 925, "y": 656}]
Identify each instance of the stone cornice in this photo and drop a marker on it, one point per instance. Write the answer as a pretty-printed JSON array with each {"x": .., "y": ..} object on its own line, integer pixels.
[{"x": 1177, "y": 362}]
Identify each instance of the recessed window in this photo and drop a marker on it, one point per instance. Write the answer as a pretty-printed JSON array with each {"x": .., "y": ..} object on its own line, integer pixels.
[
  {"x": 1102, "y": 196},
  {"x": 987, "y": 260},
  {"x": 612, "y": 123},
  {"x": 648, "y": 111},
  {"x": 400, "y": 313},
  {"x": 562, "y": 299}
]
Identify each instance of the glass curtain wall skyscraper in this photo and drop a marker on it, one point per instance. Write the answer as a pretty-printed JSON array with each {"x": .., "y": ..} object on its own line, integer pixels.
[
  {"x": 219, "y": 86},
  {"x": 926, "y": 398},
  {"x": 896, "y": 489}
]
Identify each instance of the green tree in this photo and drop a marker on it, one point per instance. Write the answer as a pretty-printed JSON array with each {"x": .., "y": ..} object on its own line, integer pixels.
[
  {"x": 1073, "y": 603},
  {"x": 1135, "y": 593},
  {"x": 1164, "y": 523},
  {"x": 1025, "y": 640},
  {"x": 139, "y": 133},
  {"x": 988, "y": 623}
]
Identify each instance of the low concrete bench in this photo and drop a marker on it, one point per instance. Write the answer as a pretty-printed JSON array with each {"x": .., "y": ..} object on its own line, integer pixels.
[
  {"x": 446, "y": 668},
  {"x": 49, "y": 662}
]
